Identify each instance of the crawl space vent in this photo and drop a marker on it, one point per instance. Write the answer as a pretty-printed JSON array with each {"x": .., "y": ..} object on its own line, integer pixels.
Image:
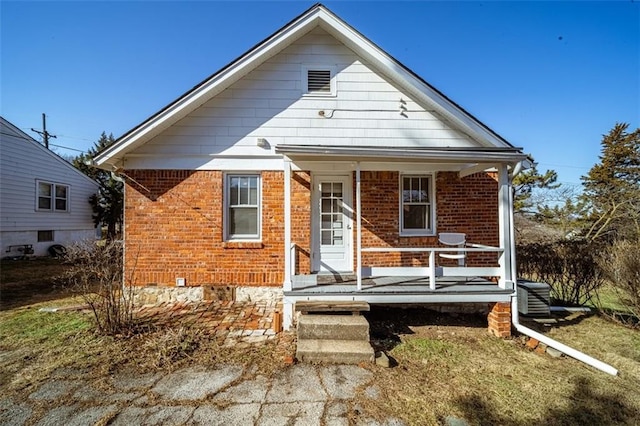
[{"x": 533, "y": 298}]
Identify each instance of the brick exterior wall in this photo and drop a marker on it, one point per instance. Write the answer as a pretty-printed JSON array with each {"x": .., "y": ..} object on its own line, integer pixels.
[
  {"x": 174, "y": 225},
  {"x": 468, "y": 205},
  {"x": 174, "y": 228},
  {"x": 499, "y": 319}
]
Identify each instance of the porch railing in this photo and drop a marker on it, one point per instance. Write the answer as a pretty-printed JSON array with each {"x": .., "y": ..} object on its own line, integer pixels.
[{"x": 431, "y": 270}]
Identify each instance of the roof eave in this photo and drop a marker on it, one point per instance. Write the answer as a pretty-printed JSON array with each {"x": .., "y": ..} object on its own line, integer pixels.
[
  {"x": 404, "y": 154},
  {"x": 213, "y": 85}
]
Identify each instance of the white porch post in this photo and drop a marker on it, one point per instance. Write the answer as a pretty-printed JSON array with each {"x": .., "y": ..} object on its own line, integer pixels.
[
  {"x": 504, "y": 225},
  {"x": 287, "y": 320},
  {"x": 358, "y": 230}
]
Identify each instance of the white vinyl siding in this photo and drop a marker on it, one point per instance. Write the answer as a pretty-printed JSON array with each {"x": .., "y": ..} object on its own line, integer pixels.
[
  {"x": 52, "y": 196},
  {"x": 24, "y": 163},
  {"x": 242, "y": 206},
  {"x": 417, "y": 212},
  {"x": 271, "y": 102},
  {"x": 318, "y": 80}
]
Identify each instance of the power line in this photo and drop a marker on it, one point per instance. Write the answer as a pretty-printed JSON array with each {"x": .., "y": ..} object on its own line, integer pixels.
[
  {"x": 66, "y": 147},
  {"x": 45, "y": 135}
]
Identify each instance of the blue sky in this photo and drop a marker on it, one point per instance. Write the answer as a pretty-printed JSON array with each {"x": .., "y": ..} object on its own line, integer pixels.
[{"x": 551, "y": 77}]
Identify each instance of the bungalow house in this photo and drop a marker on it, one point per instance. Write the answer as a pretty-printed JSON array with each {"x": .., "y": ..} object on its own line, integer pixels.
[
  {"x": 318, "y": 158},
  {"x": 44, "y": 200}
]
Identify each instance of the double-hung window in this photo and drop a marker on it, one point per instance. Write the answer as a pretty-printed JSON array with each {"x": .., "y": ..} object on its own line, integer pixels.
[
  {"x": 416, "y": 205},
  {"x": 243, "y": 207},
  {"x": 52, "y": 196}
]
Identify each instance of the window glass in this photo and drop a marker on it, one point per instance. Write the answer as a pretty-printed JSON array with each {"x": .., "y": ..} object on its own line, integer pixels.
[
  {"x": 416, "y": 205},
  {"x": 44, "y": 196},
  {"x": 243, "y": 210},
  {"x": 44, "y": 236},
  {"x": 52, "y": 196}
]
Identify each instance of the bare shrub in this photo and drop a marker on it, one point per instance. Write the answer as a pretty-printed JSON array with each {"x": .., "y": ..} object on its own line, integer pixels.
[
  {"x": 96, "y": 273},
  {"x": 569, "y": 266},
  {"x": 621, "y": 266},
  {"x": 169, "y": 346}
]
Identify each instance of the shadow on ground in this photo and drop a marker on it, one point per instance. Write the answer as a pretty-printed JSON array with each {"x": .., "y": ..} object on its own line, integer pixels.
[
  {"x": 388, "y": 324},
  {"x": 586, "y": 406}
]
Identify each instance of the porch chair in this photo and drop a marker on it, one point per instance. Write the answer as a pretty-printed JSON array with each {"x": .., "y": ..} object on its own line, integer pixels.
[{"x": 453, "y": 239}]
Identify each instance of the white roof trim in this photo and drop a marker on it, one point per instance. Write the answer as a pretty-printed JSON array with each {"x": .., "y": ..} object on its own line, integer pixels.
[
  {"x": 318, "y": 15},
  {"x": 488, "y": 156}
]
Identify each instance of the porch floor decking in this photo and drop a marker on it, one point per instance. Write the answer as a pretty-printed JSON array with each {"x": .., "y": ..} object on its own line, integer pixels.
[{"x": 397, "y": 289}]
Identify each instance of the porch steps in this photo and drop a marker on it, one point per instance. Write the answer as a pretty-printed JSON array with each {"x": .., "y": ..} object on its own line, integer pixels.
[
  {"x": 333, "y": 339},
  {"x": 333, "y": 327},
  {"x": 334, "y": 351}
]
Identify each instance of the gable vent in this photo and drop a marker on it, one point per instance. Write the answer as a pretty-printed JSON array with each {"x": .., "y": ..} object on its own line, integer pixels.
[{"x": 319, "y": 81}]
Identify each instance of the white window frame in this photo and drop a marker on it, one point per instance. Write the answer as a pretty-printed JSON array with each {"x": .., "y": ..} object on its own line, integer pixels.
[
  {"x": 53, "y": 197},
  {"x": 227, "y": 208},
  {"x": 42, "y": 240},
  {"x": 305, "y": 81},
  {"x": 431, "y": 230}
]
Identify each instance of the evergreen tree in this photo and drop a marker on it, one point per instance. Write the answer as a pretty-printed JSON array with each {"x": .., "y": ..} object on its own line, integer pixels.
[
  {"x": 109, "y": 202},
  {"x": 526, "y": 182},
  {"x": 612, "y": 187}
]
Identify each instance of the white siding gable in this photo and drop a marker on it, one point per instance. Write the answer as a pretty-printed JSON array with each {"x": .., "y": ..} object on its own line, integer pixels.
[{"x": 271, "y": 103}]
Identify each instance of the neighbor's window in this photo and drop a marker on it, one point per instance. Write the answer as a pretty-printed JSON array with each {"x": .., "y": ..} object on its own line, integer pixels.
[
  {"x": 243, "y": 207},
  {"x": 44, "y": 236},
  {"x": 318, "y": 81},
  {"x": 52, "y": 196},
  {"x": 416, "y": 205}
]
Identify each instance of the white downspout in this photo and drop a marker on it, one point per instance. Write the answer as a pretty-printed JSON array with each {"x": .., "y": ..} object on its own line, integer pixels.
[{"x": 573, "y": 353}]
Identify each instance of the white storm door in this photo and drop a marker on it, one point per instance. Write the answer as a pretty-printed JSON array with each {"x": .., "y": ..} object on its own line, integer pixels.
[{"x": 332, "y": 228}]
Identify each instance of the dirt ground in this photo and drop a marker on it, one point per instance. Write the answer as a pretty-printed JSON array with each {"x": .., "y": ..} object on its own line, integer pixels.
[{"x": 24, "y": 282}]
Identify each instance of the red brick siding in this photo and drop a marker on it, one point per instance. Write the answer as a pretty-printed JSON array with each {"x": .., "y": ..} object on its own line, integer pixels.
[
  {"x": 301, "y": 220},
  {"x": 499, "y": 319},
  {"x": 468, "y": 205},
  {"x": 174, "y": 225},
  {"x": 174, "y": 228}
]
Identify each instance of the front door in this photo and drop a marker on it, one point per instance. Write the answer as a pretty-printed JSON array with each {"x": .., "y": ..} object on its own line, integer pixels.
[{"x": 332, "y": 223}]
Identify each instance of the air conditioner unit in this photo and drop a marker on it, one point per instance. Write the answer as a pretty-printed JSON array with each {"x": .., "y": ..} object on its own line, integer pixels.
[{"x": 534, "y": 298}]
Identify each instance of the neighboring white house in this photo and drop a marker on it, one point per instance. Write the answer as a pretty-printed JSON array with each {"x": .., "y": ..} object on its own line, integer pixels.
[{"x": 44, "y": 200}]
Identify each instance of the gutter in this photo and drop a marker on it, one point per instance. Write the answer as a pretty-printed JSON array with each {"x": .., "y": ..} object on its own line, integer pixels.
[{"x": 573, "y": 353}]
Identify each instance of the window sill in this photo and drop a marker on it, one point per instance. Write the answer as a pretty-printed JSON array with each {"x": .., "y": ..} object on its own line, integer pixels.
[
  {"x": 421, "y": 234},
  {"x": 242, "y": 245}
]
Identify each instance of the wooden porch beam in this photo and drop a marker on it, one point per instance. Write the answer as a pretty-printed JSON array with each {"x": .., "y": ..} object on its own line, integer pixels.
[{"x": 477, "y": 168}]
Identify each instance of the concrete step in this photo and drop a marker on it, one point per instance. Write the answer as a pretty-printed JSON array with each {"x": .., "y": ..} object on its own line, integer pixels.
[
  {"x": 337, "y": 327},
  {"x": 334, "y": 351}
]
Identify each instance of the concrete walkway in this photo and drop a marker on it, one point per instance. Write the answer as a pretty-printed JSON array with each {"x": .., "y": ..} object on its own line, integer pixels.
[{"x": 228, "y": 395}]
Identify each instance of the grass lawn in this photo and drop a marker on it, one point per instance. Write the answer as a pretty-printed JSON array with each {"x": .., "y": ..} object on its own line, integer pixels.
[{"x": 445, "y": 365}]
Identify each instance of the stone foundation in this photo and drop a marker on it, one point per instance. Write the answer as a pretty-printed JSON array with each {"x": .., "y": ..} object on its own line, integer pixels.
[
  {"x": 259, "y": 294},
  {"x": 157, "y": 295},
  {"x": 499, "y": 319}
]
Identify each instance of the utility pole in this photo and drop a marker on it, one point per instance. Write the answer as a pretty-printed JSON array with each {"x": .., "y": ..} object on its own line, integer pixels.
[{"x": 45, "y": 135}]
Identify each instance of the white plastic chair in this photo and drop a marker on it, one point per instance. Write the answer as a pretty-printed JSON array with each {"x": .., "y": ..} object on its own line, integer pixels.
[{"x": 457, "y": 239}]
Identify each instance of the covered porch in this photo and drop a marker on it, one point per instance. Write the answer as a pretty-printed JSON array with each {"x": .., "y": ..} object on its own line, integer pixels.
[{"x": 375, "y": 257}]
